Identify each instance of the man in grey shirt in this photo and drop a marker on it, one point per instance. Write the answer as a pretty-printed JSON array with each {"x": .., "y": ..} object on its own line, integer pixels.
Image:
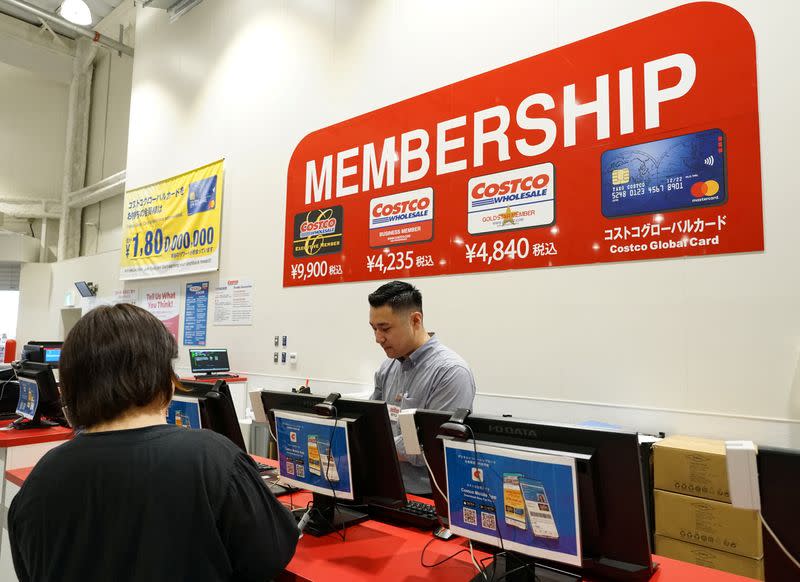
[{"x": 420, "y": 372}]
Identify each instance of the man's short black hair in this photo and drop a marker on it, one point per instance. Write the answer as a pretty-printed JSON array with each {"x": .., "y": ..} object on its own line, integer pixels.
[
  {"x": 116, "y": 358},
  {"x": 398, "y": 295}
]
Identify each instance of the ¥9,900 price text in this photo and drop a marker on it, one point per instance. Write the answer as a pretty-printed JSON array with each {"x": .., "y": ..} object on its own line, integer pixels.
[{"x": 314, "y": 270}]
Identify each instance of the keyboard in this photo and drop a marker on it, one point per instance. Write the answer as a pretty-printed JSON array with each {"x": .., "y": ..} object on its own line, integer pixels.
[
  {"x": 414, "y": 513},
  {"x": 264, "y": 468},
  {"x": 212, "y": 376}
]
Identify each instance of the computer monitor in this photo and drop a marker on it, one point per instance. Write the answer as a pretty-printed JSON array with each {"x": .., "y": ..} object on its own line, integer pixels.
[
  {"x": 42, "y": 352},
  {"x": 208, "y": 361},
  {"x": 610, "y": 502},
  {"x": 778, "y": 476},
  {"x": 359, "y": 441},
  {"x": 204, "y": 405},
  {"x": 38, "y": 397}
]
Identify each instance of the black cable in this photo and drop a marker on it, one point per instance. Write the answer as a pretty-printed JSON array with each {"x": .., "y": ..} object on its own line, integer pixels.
[
  {"x": 489, "y": 495},
  {"x": 440, "y": 562},
  {"x": 325, "y": 470},
  {"x": 5, "y": 383}
]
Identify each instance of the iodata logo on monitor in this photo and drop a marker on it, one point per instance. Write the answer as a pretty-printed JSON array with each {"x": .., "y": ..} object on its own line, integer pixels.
[{"x": 318, "y": 232}]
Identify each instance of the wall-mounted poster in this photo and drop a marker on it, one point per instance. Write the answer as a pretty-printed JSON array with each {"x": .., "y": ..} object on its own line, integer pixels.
[
  {"x": 172, "y": 227},
  {"x": 195, "y": 314},
  {"x": 641, "y": 142},
  {"x": 165, "y": 304}
]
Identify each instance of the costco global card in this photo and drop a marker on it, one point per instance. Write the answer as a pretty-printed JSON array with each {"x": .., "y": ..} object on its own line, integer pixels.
[
  {"x": 202, "y": 196},
  {"x": 687, "y": 171}
]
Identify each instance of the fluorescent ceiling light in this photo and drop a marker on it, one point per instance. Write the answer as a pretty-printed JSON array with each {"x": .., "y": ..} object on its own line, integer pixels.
[{"x": 76, "y": 11}]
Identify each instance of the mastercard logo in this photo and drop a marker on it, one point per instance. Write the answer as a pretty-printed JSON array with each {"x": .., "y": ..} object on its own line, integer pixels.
[{"x": 707, "y": 188}]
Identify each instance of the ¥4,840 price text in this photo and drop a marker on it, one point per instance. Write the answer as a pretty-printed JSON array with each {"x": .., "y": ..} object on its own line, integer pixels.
[{"x": 519, "y": 248}]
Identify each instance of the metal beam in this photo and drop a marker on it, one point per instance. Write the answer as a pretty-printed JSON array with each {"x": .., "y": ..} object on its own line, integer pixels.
[
  {"x": 80, "y": 97},
  {"x": 87, "y": 32},
  {"x": 28, "y": 208},
  {"x": 97, "y": 192}
]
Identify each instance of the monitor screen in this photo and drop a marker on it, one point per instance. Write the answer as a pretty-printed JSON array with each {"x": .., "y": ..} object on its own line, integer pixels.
[
  {"x": 217, "y": 412},
  {"x": 184, "y": 412},
  {"x": 28, "y": 398},
  {"x": 370, "y": 445},
  {"x": 314, "y": 453},
  {"x": 83, "y": 289},
  {"x": 519, "y": 500},
  {"x": 614, "y": 544},
  {"x": 209, "y": 360},
  {"x": 52, "y": 355}
]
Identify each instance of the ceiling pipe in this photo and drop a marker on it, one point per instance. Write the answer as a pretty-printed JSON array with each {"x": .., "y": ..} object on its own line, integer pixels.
[{"x": 55, "y": 18}]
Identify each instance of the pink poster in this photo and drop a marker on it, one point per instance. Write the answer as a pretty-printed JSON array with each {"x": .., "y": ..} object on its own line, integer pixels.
[{"x": 164, "y": 303}]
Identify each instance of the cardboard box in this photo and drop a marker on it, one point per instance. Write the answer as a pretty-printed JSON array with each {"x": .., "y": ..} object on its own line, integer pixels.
[
  {"x": 709, "y": 523},
  {"x": 691, "y": 466},
  {"x": 709, "y": 557}
]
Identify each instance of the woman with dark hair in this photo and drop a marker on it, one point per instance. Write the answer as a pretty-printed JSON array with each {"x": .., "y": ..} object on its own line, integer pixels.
[{"x": 131, "y": 497}]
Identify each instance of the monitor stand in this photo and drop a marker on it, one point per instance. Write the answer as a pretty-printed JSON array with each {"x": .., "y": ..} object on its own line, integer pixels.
[
  {"x": 328, "y": 517},
  {"x": 522, "y": 569},
  {"x": 35, "y": 422}
]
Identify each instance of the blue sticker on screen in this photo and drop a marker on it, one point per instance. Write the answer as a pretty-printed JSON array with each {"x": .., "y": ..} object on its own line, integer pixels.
[
  {"x": 28, "y": 398},
  {"x": 202, "y": 196},
  {"x": 687, "y": 171}
]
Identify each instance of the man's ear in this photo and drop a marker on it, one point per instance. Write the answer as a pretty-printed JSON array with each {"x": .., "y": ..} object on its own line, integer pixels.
[{"x": 416, "y": 319}]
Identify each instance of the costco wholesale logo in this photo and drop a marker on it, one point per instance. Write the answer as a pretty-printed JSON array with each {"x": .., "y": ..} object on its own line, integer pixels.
[
  {"x": 401, "y": 218},
  {"x": 521, "y": 198},
  {"x": 318, "y": 232}
]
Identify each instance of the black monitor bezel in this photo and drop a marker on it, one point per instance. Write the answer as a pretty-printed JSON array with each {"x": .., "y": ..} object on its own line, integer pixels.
[
  {"x": 209, "y": 370},
  {"x": 217, "y": 412},
  {"x": 375, "y": 466},
  {"x": 49, "y": 404},
  {"x": 778, "y": 475},
  {"x": 616, "y": 557}
]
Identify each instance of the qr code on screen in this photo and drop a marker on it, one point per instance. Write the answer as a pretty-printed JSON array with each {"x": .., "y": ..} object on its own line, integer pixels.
[
  {"x": 301, "y": 471},
  {"x": 488, "y": 521},
  {"x": 470, "y": 516},
  {"x": 289, "y": 468}
]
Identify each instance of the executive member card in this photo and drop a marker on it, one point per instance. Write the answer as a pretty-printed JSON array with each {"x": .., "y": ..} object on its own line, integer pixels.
[{"x": 686, "y": 171}]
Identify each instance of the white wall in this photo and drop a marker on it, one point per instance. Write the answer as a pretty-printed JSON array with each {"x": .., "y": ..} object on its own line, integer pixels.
[
  {"x": 35, "y": 72},
  {"x": 9, "y": 305},
  {"x": 704, "y": 345},
  {"x": 33, "y": 115}
]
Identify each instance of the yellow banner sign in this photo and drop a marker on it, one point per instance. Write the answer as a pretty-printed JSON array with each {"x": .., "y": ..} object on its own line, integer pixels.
[{"x": 172, "y": 227}]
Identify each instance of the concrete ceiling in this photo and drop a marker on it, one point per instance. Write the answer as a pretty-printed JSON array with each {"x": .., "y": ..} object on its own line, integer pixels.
[{"x": 100, "y": 9}]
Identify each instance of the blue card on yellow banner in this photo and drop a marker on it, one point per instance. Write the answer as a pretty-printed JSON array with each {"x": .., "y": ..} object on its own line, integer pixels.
[
  {"x": 202, "y": 196},
  {"x": 687, "y": 171}
]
